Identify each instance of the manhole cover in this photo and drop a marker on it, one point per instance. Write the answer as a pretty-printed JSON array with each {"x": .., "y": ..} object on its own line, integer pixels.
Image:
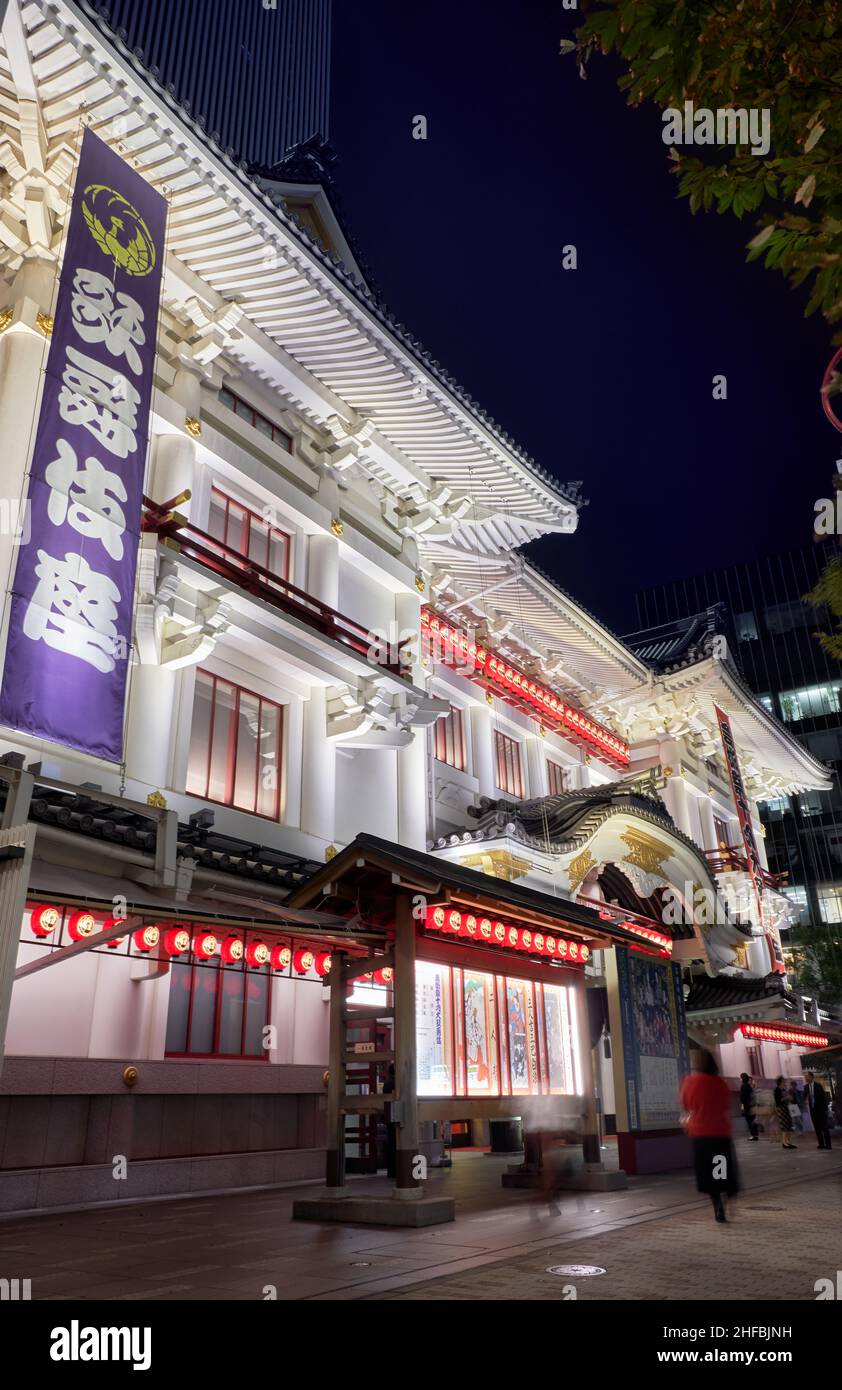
[{"x": 575, "y": 1271}]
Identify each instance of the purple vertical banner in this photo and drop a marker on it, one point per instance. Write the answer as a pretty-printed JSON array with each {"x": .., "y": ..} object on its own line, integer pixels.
[{"x": 70, "y": 626}]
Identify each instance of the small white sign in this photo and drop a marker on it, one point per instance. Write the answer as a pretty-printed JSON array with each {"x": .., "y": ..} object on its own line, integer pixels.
[{"x": 365, "y": 1047}]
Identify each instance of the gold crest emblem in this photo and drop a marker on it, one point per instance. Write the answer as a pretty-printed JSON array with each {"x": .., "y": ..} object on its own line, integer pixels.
[{"x": 118, "y": 229}]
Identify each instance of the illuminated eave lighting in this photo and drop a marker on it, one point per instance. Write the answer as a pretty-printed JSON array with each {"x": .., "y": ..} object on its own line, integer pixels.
[{"x": 458, "y": 651}]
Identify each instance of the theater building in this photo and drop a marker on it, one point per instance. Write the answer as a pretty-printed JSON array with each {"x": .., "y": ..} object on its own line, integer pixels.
[{"x": 300, "y": 761}]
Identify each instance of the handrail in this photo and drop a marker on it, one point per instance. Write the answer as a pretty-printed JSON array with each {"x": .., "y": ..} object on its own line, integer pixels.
[
  {"x": 729, "y": 860},
  {"x": 259, "y": 581}
]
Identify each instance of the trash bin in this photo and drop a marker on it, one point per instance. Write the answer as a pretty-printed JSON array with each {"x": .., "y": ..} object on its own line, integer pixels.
[{"x": 506, "y": 1136}]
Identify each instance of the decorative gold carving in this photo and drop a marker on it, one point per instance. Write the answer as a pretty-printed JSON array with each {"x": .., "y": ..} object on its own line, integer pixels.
[
  {"x": 645, "y": 852},
  {"x": 419, "y": 583},
  {"x": 325, "y": 1079},
  {"x": 337, "y": 527},
  {"x": 489, "y": 697},
  {"x": 542, "y": 731},
  {"x": 330, "y": 853},
  {"x": 579, "y": 866},
  {"x": 45, "y": 323},
  {"x": 499, "y": 863},
  {"x": 668, "y": 772},
  {"x": 131, "y": 1076},
  {"x": 193, "y": 426},
  {"x": 157, "y": 799},
  {"x": 6, "y": 318}
]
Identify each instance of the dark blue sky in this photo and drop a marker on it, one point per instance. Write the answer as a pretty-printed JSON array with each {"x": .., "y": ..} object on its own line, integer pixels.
[{"x": 603, "y": 373}]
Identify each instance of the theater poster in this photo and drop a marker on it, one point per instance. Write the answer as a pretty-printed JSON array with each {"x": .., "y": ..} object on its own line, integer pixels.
[
  {"x": 70, "y": 627},
  {"x": 650, "y": 1002}
]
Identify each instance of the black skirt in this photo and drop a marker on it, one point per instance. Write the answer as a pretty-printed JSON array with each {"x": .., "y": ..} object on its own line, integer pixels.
[{"x": 715, "y": 1163}]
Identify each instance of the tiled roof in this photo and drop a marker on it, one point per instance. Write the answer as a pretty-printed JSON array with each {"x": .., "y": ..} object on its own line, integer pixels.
[
  {"x": 677, "y": 643},
  {"x": 730, "y": 991}
]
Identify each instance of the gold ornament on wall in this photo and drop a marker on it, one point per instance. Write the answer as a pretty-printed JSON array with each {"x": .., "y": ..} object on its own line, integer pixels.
[
  {"x": 419, "y": 583},
  {"x": 131, "y": 1076},
  {"x": 337, "y": 527},
  {"x": 45, "y": 324},
  {"x": 193, "y": 426},
  {"x": 579, "y": 866},
  {"x": 498, "y": 863},
  {"x": 330, "y": 853},
  {"x": 157, "y": 799},
  {"x": 645, "y": 852},
  {"x": 6, "y": 318}
]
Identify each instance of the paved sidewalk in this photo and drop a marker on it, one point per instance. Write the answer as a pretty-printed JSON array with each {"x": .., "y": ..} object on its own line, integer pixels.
[{"x": 246, "y": 1246}]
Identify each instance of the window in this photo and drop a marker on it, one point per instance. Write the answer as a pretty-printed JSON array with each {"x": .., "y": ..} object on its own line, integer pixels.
[
  {"x": 479, "y": 1034},
  {"x": 217, "y": 1009},
  {"x": 798, "y": 898},
  {"x": 825, "y": 747},
  {"x": 788, "y": 617},
  {"x": 830, "y": 902},
  {"x": 255, "y": 419},
  {"x": 813, "y": 803},
  {"x": 723, "y": 835},
  {"x": 247, "y": 533},
  {"x": 235, "y": 747},
  {"x": 746, "y": 627},
  {"x": 775, "y": 809},
  {"x": 450, "y": 740},
  {"x": 557, "y": 777},
  {"x": 813, "y": 700},
  {"x": 508, "y": 765}
]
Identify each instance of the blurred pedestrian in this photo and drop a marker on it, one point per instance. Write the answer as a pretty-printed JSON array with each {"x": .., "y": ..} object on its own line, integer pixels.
[
  {"x": 747, "y": 1104},
  {"x": 706, "y": 1099},
  {"x": 817, "y": 1102},
  {"x": 783, "y": 1116}
]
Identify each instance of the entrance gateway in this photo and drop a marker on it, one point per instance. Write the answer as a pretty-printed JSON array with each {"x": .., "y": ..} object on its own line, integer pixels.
[{"x": 485, "y": 1017}]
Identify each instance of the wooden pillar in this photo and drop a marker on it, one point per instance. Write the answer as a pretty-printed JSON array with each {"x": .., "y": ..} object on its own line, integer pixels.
[
  {"x": 406, "y": 1074},
  {"x": 335, "y": 1123},
  {"x": 591, "y": 1152}
]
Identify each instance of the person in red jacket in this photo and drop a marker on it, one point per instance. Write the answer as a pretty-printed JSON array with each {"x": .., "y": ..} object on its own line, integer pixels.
[{"x": 706, "y": 1099}]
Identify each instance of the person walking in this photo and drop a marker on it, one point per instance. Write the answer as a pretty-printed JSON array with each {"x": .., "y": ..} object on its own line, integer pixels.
[
  {"x": 783, "y": 1116},
  {"x": 747, "y": 1104},
  {"x": 706, "y": 1099},
  {"x": 818, "y": 1106}
]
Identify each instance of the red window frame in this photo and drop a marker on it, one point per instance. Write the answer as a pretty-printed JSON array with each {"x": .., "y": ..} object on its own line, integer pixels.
[
  {"x": 220, "y": 971},
  {"x": 720, "y": 828},
  {"x": 556, "y": 778},
  {"x": 231, "y": 750},
  {"x": 450, "y": 740},
  {"x": 509, "y": 772},
  {"x": 244, "y": 547},
  {"x": 260, "y": 422}
]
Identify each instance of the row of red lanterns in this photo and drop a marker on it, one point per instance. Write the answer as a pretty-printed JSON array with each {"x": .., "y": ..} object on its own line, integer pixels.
[
  {"x": 377, "y": 977},
  {"x": 177, "y": 940},
  {"x": 551, "y": 708},
  {"x": 503, "y": 934},
  {"x": 769, "y": 1033}
]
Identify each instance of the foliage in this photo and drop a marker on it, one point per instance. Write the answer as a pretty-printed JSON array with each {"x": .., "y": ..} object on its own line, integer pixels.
[
  {"x": 783, "y": 55},
  {"x": 828, "y": 594},
  {"x": 817, "y": 961}
]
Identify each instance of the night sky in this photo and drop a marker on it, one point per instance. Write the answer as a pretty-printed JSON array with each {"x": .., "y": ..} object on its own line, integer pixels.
[{"x": 604, "y": 373}]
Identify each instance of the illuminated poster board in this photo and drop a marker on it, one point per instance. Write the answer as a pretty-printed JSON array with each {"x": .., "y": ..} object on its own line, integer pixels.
[
  {"x": 655, "y": 1050},
  {"x": 433, "y": 1029},
  {"x": 479, "y": 1034}
]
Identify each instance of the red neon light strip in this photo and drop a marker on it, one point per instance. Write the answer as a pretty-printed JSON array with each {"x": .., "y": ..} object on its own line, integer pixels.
[
  {"x": 771, "y": 1033},
  {"x": 457, "y": 650}
]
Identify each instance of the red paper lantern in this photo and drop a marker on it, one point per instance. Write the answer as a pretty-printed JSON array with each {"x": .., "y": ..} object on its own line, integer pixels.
[
  {"x": 584, "y": 952},
  {"x": 323, "y": 963},
  {"x": 538, "y": 942},
  {"x": 280, "y": 957},
  {"x": 435, "y": 919},
  {"x": 485, "y": 928},
  {"x": 574, "y": 950},
  {"x": 384, "y": 976},
  {"x": 257, "y": 954},
  {"x": 44, "y": 919},
  {"x": 303, "y": 960},
  {"x": 176, "y": 941},
  {"x": 526, "y": 941},
  {"x": 513, "y": 938},
  {"x": 499, "y": 933},
  {"x": 550, "y": 945},
  {"x": 205, "y": 945},
  {"x": 471, "y": 925},
  {"x": 232, "y": 950},
  {"x": 454, "y": 922},
  {"x": 146, "y": 938},
  {"x": 115, "y": 940},
  {"x": 81, "y": 926},
  {"x": 561, "y": 948}
]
